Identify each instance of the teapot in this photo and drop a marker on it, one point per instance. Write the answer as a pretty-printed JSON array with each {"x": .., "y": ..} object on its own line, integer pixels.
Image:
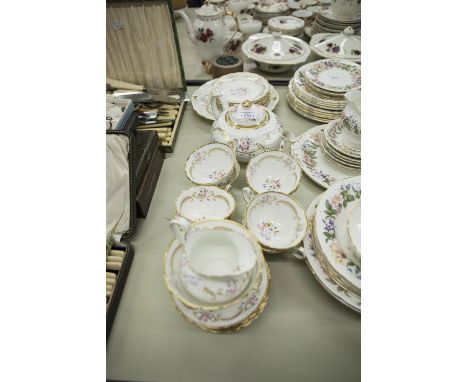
[
  {"x": 251, "y": 127},
  {"x": 209, "y": 31}
]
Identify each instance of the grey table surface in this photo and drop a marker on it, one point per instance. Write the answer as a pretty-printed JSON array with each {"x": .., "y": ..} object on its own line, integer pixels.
[
  {"x": 194, "y": 69},
  {"x": 303, "y": 334}
]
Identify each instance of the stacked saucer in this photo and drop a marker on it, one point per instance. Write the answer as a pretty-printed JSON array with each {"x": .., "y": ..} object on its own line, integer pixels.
[
  {"x": 216, "y": 274},
  {"x": 332, "y": 246},
  {"x": 267, "y": 9},
  {"x": 332, "y": 152},
  {"x": 328, "y": 22},
  {"x": 317, "y": 89}
]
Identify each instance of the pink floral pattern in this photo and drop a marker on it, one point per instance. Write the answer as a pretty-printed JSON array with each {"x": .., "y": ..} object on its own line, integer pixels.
[
  {"x": 268, "y": 229},
  {"x": 271, "y": 183}
]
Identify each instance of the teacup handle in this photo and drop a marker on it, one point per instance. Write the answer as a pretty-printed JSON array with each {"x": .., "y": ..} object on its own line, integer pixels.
[
  {"x": 248, "y": 194},
  {"x": 299, "y": 253},
  {"x": 180, "y": 226},
  {"x": 228, "y": 188}
]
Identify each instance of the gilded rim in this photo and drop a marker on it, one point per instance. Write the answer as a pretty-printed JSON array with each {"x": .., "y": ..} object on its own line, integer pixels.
[
  {"x": 253, "y": 285},
  {"x": 301, "y": 209},
  {"x": 242, "y": 324},
  {"x": 228, "y": 196},
  {"x": 215, "y": 184},
  {"x": 274, "y": 151}
]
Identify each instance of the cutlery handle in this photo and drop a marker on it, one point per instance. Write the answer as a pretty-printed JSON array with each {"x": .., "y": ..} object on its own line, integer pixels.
[{"x": 116, "y": 84}]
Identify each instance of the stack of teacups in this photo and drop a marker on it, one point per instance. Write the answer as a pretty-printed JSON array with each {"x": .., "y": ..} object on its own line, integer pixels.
[
  {"x": 341, "y": 139},
  {"x": 216, "y": 274},
  {"x": 343, "y": 13},
  {"x": 267, "y": 9},
  {"x": 317, "y": 89}
]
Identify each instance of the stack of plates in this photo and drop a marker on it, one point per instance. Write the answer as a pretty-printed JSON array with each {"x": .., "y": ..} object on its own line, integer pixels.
[
  {"x": 327, "y": 22},
  {"x": 317, "y": 89},
  {"x": 265, "y": 11},
  {"x": 335, "y": 148},
  {"x": 332, "y": 244},
  {"x": 236, "y": 87}
]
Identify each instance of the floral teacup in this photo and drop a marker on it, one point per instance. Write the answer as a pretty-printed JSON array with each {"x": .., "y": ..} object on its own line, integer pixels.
[
  {"x": 276, "y": 220},
  {"x": 351, "y": 120},
  {"x": 213, "y": 164},
  {"x": 205, "y": 202},
  {"x": 273, "y": 171}
]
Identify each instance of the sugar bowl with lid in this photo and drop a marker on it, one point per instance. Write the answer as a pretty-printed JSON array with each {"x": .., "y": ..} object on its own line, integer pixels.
[{"x": 250, "y": 127}]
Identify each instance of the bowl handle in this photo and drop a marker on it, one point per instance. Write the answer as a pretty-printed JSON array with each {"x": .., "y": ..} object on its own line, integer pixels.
[
  {"x": 248, "y": 194},
  {"x": 180, "y": 226}
]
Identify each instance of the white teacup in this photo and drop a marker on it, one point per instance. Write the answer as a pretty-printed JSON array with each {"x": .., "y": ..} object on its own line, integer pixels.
[
  {"x": 213, "y": 164},
  {"x": 347, "y": 9},
  {"x": 304, "y": 15},
  {"x": 249, "y": 27},
  {"x": 214, "y": 253}
]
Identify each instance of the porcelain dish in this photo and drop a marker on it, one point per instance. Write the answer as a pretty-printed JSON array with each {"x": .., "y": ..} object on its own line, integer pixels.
[
  {"x": 354, "y": 234},
  {"x": 326, "y": 21},
  {"x": 213, "y": 164},
  {"x": 331, "y": 231},
  {"x": 276, "y": 53},
  {"x": 175, "y": 255},
  {"x": 345, "y": 45},
  {"x": 287, "y": 25},
  {"x": 319, "y": 271},
  {"x": 248, "y": 127},
  {"x": 201, "y": 98},
  {"x": 273, "y": 171},
  {"x": 211, "y": 289},
  {"x": 323, "y": 171},
  {"x": 333, "y": 76},
  {"x": 234, "y": 317},
  {"x": 276, "y": 220},
  {"x": 205, "y": 202}
]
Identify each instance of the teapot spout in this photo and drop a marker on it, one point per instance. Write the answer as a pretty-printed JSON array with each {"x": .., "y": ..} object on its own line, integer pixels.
[{"x": 188, "y": 25}]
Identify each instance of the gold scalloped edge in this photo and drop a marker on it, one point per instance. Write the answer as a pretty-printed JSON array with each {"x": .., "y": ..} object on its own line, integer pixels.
[{"x": 244, "y": 323}]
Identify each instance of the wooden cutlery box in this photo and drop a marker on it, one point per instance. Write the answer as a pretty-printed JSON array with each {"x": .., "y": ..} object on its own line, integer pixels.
[
  {"x": 142, "y": 48},
  {"x": 149, "y": 160},
  {"x": 120, "y": 216}
]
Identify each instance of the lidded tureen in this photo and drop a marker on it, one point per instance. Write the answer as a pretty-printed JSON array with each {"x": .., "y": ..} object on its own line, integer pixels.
[
  {"x": 344, "y": 45},
  {"x": 275, "y": 52},
  {"x": 252, "y": 127}
]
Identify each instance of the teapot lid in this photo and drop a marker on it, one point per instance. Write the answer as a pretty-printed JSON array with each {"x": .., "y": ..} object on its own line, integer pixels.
[
  {"x": 276, "y": 49},
  {"x": 208, "y": 10},
  {"x": 247, "y": 115},
  {"x": 344, "y": 45}
]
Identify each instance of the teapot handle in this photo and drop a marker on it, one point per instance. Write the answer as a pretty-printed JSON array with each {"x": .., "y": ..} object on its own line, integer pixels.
[
  {"x": 231, "y": 142},
  {"x": 229, "y": 13}
]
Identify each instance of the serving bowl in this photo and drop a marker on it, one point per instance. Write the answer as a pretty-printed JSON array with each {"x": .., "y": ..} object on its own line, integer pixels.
[
  {"x": 276, "y": 220},
  {"x": 273, "y": 170},
  {"x": 213, "y": 164},
  {"x": 205, "y": 202},
  {"x": 275, "y": 53}
]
